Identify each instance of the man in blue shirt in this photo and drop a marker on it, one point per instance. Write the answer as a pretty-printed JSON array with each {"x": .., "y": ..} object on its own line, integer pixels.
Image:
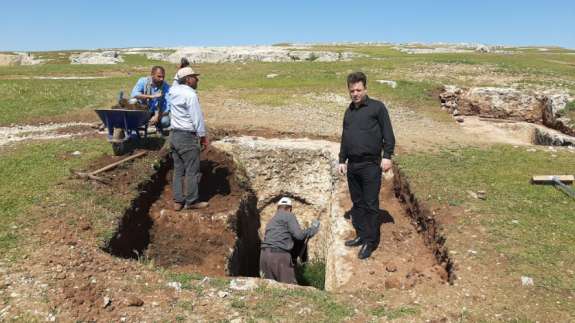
[{"x": 152, "y": 91}]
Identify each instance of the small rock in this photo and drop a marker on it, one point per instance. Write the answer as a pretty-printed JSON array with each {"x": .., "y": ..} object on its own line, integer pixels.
[
  {"x": 107, "y": 302},
  {"x": 175, "y": 285},
  {"x": 515, "y": 221},
  {"x": 134, "y": 301},
  {"x": 271, "y": 76},
  {"x": 392, "y": 283},
  {"x": 526, "y": 281},
  {"x": 482, "y": 195},
  {"x": 51, "y": 318},
  {"x": 459, "y": 119},
  {"x": 222, "y": 294},
  {"x": 472, "y": 194},
  {"x": 243, "y": 284},
  {"x": 76, "y": 153},
  {"x": 304, "y": 311},
  {"x": 391, "y": 268},
  {"x": 392, "y": 84}
]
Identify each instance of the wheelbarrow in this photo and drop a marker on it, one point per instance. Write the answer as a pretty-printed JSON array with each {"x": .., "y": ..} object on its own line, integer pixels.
[{"x": 132, "y": 122}]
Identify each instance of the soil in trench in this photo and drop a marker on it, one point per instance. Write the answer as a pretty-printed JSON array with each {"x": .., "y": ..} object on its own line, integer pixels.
[
  {"x": 197, "y": 241},
  {"x": 202, "y": 241},
  {"x": 402, "y": 259}
]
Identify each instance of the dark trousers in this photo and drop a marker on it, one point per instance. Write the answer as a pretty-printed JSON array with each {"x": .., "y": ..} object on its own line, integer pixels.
[
  {"x": 364, "y": 181},
  {"x": 185, "y": 147},
  {"x": 277, "y": 265}
]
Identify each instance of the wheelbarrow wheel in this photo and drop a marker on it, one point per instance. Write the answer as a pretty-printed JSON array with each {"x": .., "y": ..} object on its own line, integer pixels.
[
  {"x": 118, "y": 148},
  {"x": 118, "y": 141}
]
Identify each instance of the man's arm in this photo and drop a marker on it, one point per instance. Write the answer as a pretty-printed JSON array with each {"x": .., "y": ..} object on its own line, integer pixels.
[
  {"x": 196, "y": 113},
  {"x": 342, "y": 168},
  {"x": 139, "y": 89},
  {"x": 294, "y": 228},
  {"x": 165, "y": 97},
  {"x": 387, "y": 131}
]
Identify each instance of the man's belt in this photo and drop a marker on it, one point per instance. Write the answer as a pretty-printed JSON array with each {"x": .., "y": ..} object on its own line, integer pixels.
[
  {"x": 275, "y": 250},
  {"x": 363, "y": 159},
  {"x": 186, "y": 131}
]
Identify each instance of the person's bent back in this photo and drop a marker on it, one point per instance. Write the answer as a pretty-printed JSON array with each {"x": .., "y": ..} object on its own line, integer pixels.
[{"x": 275, "y": 259}]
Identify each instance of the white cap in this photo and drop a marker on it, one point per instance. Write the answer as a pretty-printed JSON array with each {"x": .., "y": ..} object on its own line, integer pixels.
[
  {"x": 285, "y": 201},
  {"x": 182, "y": 72}
]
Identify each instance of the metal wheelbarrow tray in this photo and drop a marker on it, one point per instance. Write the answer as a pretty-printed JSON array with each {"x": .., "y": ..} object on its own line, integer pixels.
[{"x": 131, "y": 121}]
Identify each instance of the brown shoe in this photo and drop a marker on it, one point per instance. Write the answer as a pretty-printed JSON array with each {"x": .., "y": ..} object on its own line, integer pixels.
[
  {"x": 197, "y": 205},
  {"x": 178, "y": 206}
]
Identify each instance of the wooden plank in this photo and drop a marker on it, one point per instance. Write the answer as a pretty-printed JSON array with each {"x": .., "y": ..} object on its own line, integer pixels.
[{"x": 548, "y": 179}]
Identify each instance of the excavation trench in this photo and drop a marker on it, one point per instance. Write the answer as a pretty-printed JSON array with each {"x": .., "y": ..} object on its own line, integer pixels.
[{"x": 243, "y": 178}]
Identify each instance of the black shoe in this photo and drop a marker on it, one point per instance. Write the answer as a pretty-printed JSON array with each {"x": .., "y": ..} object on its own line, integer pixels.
[
  {"x": 354, "y": 243},
  {"x": 366, "y": 250}
]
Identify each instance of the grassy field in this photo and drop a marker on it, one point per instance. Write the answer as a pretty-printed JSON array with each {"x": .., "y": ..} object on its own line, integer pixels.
[
  {"x": 533, "y": 226},
  {"x": 26, "y": 99},
  {"x": 31, "y": 176}
]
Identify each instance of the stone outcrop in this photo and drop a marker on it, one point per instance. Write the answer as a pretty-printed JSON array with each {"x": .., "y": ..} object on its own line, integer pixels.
[
  {"x": 19, "y": 59},
  {"x": 106, "y": 57},
  {"x": 196, "y": 55},
  {"x": 546, "y": 108},
  {"x": 549, "y": 137},
  {"x": 554, "y": 114}
]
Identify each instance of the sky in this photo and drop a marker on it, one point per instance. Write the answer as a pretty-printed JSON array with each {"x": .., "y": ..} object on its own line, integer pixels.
[{"x": 33, "y": 25}]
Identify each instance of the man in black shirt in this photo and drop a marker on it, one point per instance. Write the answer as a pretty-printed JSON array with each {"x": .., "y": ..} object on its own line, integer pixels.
[{"x": 366, "y": 132}]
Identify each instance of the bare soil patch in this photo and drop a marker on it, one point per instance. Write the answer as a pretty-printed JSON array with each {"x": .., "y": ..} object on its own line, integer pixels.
[{"x": 402, "y": 260}]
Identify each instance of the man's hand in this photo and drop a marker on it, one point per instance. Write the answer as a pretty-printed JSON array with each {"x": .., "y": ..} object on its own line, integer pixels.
[
  {"x": 315, "y": 223},
  {"x": 204, "y": 142},
  {"x": 386, "y": 164},
  {"x": 154, "y": 120},
  {"x": 155, "y": 96},
  {"x": 314, "y": 228},
  {"x": 342, "y": 169}
]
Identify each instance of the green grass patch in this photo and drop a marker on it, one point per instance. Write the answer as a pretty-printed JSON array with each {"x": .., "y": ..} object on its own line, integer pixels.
[
  {"x": 311, "y": 273},
  {"x": 272, "y": 302},
  {"x": 185, "y": 279},
  {"x": 26, "y": 99},
  {"x": 570, "y": 111},
  {"x": 30, "y": 171},
  {"x": 533, "y": 225},
  {"x": 394, "y": 313}
]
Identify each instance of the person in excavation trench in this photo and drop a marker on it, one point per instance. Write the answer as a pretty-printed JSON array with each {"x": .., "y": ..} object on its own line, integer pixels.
[
  {"x": 367, "y": 132},
  {"x": 187, "y": 139},
  {"x": 275, "y": 258}
]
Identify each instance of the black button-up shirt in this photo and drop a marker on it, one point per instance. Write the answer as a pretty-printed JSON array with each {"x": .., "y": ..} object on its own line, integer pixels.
[{"x": 366, "y": 132}]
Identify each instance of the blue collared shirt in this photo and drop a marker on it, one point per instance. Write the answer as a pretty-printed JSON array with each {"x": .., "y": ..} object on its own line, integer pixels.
[{"x": 157, "y": 103}]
